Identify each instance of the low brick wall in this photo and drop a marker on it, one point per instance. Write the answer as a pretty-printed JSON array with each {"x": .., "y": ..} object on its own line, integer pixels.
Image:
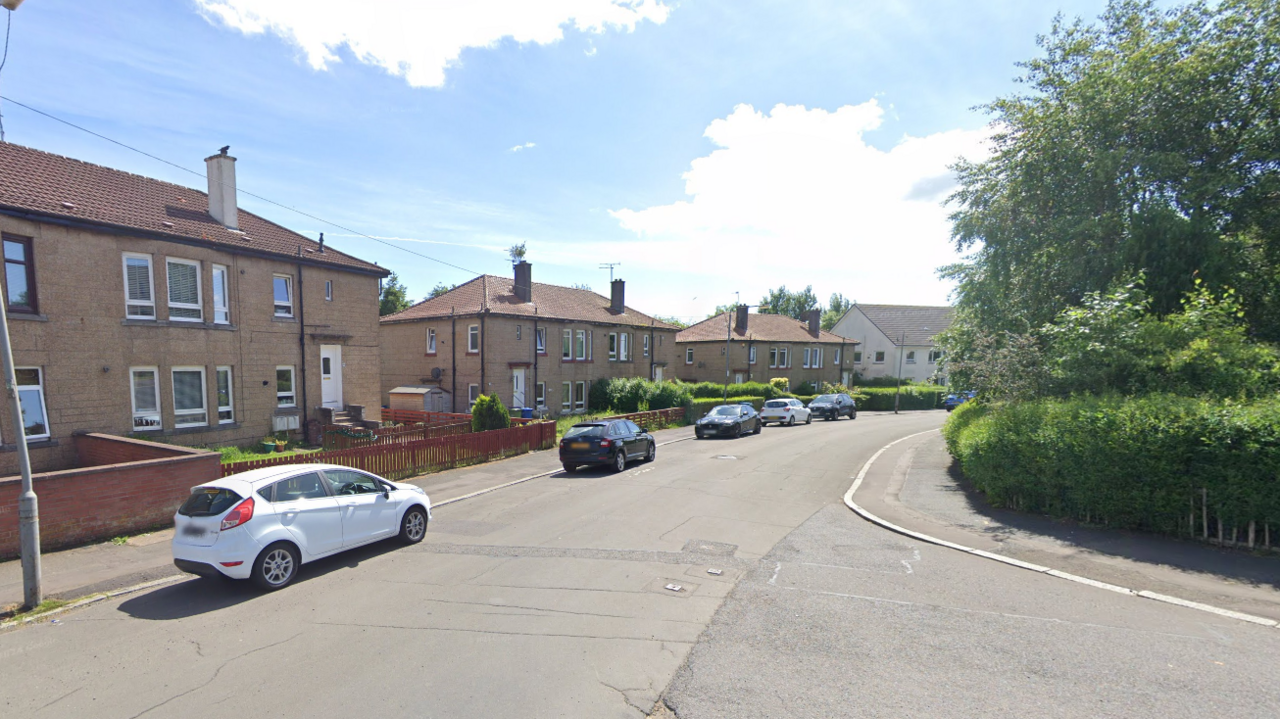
[{"x": 128, "y": 485}]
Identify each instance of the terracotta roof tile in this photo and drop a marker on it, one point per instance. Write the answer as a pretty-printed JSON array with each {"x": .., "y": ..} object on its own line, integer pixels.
[
  {"x": 41, "y": 182},
  {"x": 551, "y": 302},
  {"x": 760, "y": 328}
]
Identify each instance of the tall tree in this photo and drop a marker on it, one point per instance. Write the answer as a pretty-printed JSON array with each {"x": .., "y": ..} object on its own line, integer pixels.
[
  {"x": 835, "y": 310},
  {"x": 1145, "y": 143},
  {"x": 792, "y": 304},
  {"x": 440, "y": 289},
  {"x": 394, "y": 296}
]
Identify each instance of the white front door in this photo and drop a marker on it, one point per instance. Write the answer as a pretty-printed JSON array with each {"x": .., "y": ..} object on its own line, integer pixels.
[
  {"x": 517, "y": 387},
  {"x": 737, "y": 378},
  {"x": 657, "y": 373},
  {"x": 331, "y": 376}
]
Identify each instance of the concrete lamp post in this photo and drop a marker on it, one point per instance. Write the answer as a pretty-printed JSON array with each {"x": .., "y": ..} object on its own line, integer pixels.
[{"x": 902, "y": 349}]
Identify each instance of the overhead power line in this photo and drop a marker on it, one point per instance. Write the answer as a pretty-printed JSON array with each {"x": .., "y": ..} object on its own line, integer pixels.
[{"x": 268, "y": 200}]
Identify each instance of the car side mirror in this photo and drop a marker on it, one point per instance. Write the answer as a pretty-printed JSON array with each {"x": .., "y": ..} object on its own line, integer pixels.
[{"x": 386, "y": 492}]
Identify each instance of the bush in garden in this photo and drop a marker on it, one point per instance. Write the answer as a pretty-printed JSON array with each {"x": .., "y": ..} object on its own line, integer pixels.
[
  {"x": 782, "y": 384},
  {"x": 489, "y": 413},
  {"x": 626, "y": 395}
]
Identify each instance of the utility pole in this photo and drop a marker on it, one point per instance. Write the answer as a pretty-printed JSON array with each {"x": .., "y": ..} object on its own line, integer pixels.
[
  {"x": 728, "y": 335},
  {"x": 901, "y": 350},
  {"x": 28, "y": 509}
]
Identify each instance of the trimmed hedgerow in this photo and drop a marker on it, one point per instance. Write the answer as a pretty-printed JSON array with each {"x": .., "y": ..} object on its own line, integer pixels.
[
  {"x": 1146, "y": 463},
  {"x": 625, "y": 395},
  {"x": 709, "y": 390},
  {"x": 698, "y": 408},
  {"x": 880, "y": 399}
]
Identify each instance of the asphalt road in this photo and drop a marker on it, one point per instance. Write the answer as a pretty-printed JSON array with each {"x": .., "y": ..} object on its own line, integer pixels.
[{"x": 548, "y": 599}]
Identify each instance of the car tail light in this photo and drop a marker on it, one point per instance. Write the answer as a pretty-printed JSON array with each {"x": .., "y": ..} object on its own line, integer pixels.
[
  {"x": 239, "y": 514},
  {"x": 605, "y": 443}
]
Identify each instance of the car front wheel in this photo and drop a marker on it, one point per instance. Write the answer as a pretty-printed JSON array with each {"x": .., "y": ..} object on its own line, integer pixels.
[
  {"x": 414, "y": 525},
  {"x": 652, "y": 454},
  {"x": 276, "y": 566}
]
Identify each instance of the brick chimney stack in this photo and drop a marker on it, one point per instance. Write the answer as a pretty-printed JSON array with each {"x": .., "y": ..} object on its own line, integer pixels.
[
  {"x": 220, "y": 169},
  {"x": 815, "y": 322},
  {"x": 740, "y": 321},
  {"x": 617, "y": 301},
  {"x": 524, "y": 281}
]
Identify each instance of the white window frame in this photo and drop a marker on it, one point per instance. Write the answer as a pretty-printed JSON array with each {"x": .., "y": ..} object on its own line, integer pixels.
[
  {"x": 784, "y": 357},
  {"x": 591, "y": 344},
  {"x": 613, "y": 346},
  {"x": 431, "y": 341},
  {"x": 806, "y": 358},
  {"x": 624, "y": 347},
  {"x": 934, "y": 356},
  {"x": 44, "y": 405},
  {"x": 222, "y": 313},
  {"x": 230, "y": 406},
  {"x": 580, "y": 353},
  {"x": 328, "y": 290},
  {"x": 688, "y": 355},
  {"x": 751, "y": 354},
  {"x": 146, "y": 415},
  {"x": 566, "y": 346},
  {"x": 580, "y": 396},
  {"x": 518, "y": 331},
  {"x": 293, "y": 386},
  {"x": 473, "y": 339},
  {"x": 817, "y": 357},
  {"x": 773, "y": 357},
  {"x": 540, "y": 395},
  {"x": 151, "y": 286},
  {"x": 276, "y": 306},
  {"x": 199, "y": 303},
  {"x": 837, "y": 356},
  {"x": 204, "y": 398},
  {"x": 911, "y": 356},
  {"x": 877, "y": 357},
  {"x": 646, "y": 345},
  {"x": 566, "y": 396},
  {"x": 473, "y": 395},
  {"x": 857, "y": 356},
  {"x": 540, "y": 337}
]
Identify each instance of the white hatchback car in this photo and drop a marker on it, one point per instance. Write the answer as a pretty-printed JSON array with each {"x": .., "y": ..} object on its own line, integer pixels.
[
  {"x": 785, "y": 411},
  {"x": 265, "y": 523}
]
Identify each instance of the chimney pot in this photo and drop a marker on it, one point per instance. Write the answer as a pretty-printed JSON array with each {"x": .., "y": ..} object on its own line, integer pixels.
[
  {"x": 524, "y": 281},
  {"x": 815, "y": 322},
  {"x": 740, "y": 321},
  {"x": 221, "y": 172},
  {"x": 617, "y": 300}
]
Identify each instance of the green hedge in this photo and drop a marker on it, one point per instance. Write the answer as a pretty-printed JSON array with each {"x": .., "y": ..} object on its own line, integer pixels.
[
  {"x": 710, "y": 390},
  {"x": 698, "y": 408},
  {"x": 880, "y": 399},
  {"x": 625, "y": 395},
  {"x": 1134, "y": 463}
]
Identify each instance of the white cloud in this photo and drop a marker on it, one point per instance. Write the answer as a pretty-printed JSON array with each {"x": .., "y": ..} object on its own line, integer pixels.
[
  {"x": 802, "y": 193},
  {"x": 419, "y": 39},
  {"x": 525, "y": 146}
]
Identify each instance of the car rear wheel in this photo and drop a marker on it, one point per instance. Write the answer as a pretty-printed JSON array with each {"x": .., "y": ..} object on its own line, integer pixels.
[
  {"x": 808, "y": 419},
  {"x": 276, "y": 566},
  {"x": 414, "y": 525},
  {"x": 853, "y": 414},
  {"x": 792, "y": 421},
  {"x": 759, "y": 426},
  {"x": 620, "y": 461},
  {"x": 570, "y": 467}
]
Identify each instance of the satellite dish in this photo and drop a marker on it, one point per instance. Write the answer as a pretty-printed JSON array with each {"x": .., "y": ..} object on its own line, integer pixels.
[{"x": 436, "y": 373}]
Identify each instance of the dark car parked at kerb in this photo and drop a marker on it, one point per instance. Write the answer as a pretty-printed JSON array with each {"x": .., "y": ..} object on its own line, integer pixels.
[
  {"x": 952, "y": 401},
  {"x": 729, "y": 420},
  {"x": 612, "y": 442},
  {"x": 834, "y": 406}
]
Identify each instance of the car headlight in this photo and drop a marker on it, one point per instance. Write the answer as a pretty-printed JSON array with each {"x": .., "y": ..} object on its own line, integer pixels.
[{"x": 418, "y": 489}]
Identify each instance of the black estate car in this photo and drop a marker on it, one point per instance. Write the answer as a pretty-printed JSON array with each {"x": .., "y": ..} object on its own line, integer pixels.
[
  {"x": 611, "y": 441},
  {"x": 834, "y": 406},
  {"x": 728, "y": 420}
]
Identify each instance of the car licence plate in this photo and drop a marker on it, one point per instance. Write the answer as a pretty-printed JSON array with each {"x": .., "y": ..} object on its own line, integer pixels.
[
  {"x": 192, "y": 530},
  {"x": 578, "y": 445}
]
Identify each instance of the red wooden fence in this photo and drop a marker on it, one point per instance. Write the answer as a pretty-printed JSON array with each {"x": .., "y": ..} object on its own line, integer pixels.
[
  {"x": 342, "y": 437},
  {"x": 409, "y": 459}
]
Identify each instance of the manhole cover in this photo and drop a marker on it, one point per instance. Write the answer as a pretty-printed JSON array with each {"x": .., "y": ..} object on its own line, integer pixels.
[{"x": 724, "y": 456}]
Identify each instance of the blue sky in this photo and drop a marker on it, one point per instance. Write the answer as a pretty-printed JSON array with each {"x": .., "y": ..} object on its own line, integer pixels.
[{"x": 711, "y": 147}]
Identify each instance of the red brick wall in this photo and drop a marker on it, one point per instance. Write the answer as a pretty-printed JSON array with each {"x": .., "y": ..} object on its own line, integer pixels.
[{"x": 100, "y": 502}]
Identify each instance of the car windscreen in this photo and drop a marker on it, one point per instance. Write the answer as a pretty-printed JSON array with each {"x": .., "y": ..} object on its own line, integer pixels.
[
  {"x": 824, "y": 398},
  {"x": 586, "y": 430},
  {"x": 732, "y": 411},
  {"x": 777, "y": 403},
  {"x": 208, "y": 502}
]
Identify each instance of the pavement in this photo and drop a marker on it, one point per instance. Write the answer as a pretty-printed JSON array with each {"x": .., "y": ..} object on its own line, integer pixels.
[
  {"x": 590, "y": 595},
  {"x": 917, "y": 486}
]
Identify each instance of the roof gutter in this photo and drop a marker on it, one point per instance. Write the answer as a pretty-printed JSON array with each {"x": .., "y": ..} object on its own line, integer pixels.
[{"x": 125, "y": 230}]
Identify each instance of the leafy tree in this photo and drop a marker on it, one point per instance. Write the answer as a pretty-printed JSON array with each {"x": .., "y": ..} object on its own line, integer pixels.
[
  {"x": 517, "y": 253},
  {"x": 394, "y": 296},
  {"x": 835, "y": 310},
  {"x": 672, "y": 321},
  {"x": 440, "y": 289},
  {"x": 792, "y": 304},
  {"x": 1147, "y": 142},
  {"x": 721, "y": 309}
]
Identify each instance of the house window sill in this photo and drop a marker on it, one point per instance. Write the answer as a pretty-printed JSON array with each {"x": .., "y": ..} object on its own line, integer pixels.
[
  {"x": 34, "y": 444},
  {"x": 167, "y": 323},
  {"x": 290, "y": 320},
  {"x": 28, "y": 317}
]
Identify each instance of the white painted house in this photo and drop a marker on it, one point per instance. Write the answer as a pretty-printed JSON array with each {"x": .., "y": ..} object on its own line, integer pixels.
[{"x": 894, "y": 337}]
